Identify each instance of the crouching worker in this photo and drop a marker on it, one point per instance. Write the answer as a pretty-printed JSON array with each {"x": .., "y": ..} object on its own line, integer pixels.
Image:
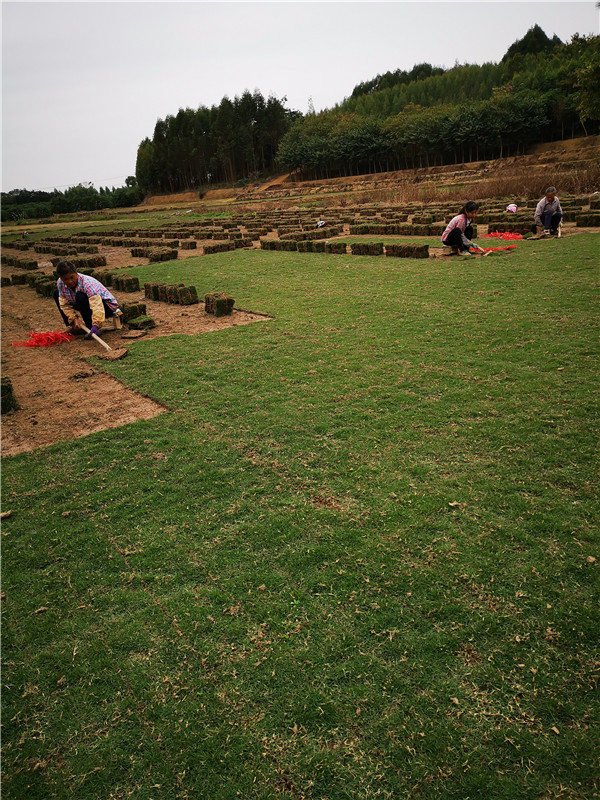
[
  {"x": 548, "y": 213},
  {"x": 459, "y": 230},
  {"x": 80, "y": 296}
]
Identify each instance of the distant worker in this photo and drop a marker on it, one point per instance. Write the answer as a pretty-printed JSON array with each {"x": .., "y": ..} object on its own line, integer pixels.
[
  {"x": 320, "y": 223},
  {"x": 459, "y": 230},
  {"x": 78, "y": 294},
  {"x": 512, "y": 207},
  {"x": 548, "y": 213}
]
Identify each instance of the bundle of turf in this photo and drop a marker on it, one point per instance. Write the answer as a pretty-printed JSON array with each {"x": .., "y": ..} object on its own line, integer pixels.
[
  {"x": 189, "y": 244},
  {"x": 305, "y": 247},
  {"x": 218, "y": 303},
  {"x": 18, "y": 279},
  {"x": 132, "y": 310},
  {"x": 82, "y": 262},
  {"x": 367, "y": 248},
  {"x": 126, "y": 283},
  {"x": 156, "y": 254},
  {"x": 8, "y": 401},
  {"x": 5, "y": 281},
  {"x": 187, "y": 295},
  {"x": 287, "y": 245},
  {"x": 224, "y": 247},
  {"x": 141, "y": 323},
  {"x": 437, "y": 229},
  {"x": 319, "y": 247},
  {"x": 590, "y": 220},
  {"x": 244, "y": 242},
  {"x": 337, "y": 248},
  {"x": 45, "y": 285},
  {"x": 173, "y": 293},
  {"x": 375, "y": 229},
  {"x": 407, "y": 250},
  {"x": 21, "y": 263},
  {"x": 152, "y": 290},
  {"x": 19, "y": 245},
  {"x": 422, "y": 230},
  {"x": 105, "y": 277},
  {"x": 55, "y": 249}
]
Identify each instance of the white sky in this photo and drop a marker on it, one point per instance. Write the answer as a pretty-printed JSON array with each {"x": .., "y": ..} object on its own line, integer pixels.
[{"x": 84, "y": 82}]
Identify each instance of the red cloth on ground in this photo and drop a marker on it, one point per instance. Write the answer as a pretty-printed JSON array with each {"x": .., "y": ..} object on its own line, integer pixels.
[{"x": 45, "y": 339}]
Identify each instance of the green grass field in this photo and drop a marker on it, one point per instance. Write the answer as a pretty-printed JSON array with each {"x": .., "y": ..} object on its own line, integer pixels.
[{"x": 354, "y": 560}]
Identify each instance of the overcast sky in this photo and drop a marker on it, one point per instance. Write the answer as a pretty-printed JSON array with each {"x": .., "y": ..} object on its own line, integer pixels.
[{"x": 84, "y": 82}]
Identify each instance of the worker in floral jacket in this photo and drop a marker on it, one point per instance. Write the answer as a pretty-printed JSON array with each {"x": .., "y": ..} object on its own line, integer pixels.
[{"x": 81, "y": 296}]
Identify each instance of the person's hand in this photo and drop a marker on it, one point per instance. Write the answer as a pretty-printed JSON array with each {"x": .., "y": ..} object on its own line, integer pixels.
[
  {"x": 93, "y": 330},
  {"x": 75, "y": 323}
]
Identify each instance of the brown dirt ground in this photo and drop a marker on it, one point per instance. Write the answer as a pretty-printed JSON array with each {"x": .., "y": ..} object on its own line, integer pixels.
[{"x": 49, "y": 380}]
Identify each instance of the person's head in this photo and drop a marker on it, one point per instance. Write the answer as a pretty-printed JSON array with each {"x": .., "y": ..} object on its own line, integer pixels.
[
  {"x": 67, "y": 273},
  {"x": 550, "y": 193},
  {"x": 470, "y": 209}
]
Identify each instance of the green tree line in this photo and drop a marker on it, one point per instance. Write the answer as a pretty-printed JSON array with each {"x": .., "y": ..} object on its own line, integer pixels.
[
  {"x": 235, "y": 141},
  {"x": 537, "y": 93},
  {"x": 22, "y": 204}
]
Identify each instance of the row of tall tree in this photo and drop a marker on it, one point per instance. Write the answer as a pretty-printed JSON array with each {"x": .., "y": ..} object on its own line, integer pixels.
[
  {"x": 466, "y": 113},
  {"x": 233, "y": 142},
  {"x": 541, "y": 90},
  {"x": 22, "y": 204}
]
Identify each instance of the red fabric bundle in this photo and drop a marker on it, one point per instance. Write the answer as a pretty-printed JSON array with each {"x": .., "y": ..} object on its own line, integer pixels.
[
  {"x": 45, "y": 339},
  {"x": 499, "y": 235}
]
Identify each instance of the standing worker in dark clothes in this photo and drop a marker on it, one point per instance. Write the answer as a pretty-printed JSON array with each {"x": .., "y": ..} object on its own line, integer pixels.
[
  {"x": 459, "y": 230},
  {"x": 548, "y": 213},
  {"x": 78, "y": 295}
]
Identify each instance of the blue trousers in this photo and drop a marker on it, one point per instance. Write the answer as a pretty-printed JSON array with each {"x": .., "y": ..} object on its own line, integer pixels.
[
  {"x": 551, "y": 221},
  {"x": 82, "y": 304}
]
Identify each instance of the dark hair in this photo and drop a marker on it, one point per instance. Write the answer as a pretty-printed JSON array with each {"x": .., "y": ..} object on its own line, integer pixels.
[
  {"x": 469, "y": 207},
  {"x": 64, "y": 267}
]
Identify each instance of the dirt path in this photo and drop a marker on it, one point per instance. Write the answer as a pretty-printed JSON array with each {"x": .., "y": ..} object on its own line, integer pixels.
[{"x": 61, "y": 395}]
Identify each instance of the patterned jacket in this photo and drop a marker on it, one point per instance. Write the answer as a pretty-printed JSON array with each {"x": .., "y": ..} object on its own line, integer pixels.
[
  {"x": 96, "y": 293},
  {"x": 460, "y": 221}
]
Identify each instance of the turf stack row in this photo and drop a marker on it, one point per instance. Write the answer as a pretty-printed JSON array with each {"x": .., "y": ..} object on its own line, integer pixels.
[{"x": 171, "y": 293}]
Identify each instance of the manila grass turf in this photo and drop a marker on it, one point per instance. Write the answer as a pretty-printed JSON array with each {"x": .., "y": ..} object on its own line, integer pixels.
[{"x": 353, "y": 561}]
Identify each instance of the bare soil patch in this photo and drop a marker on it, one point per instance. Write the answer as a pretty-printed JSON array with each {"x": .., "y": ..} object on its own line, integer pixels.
[{"x": 61, "y": 394}]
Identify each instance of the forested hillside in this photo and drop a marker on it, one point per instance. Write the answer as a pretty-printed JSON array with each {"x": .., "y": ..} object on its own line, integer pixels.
[
  {"x": 542, "y": 90},
  {"x": 233, "y": 141}
]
